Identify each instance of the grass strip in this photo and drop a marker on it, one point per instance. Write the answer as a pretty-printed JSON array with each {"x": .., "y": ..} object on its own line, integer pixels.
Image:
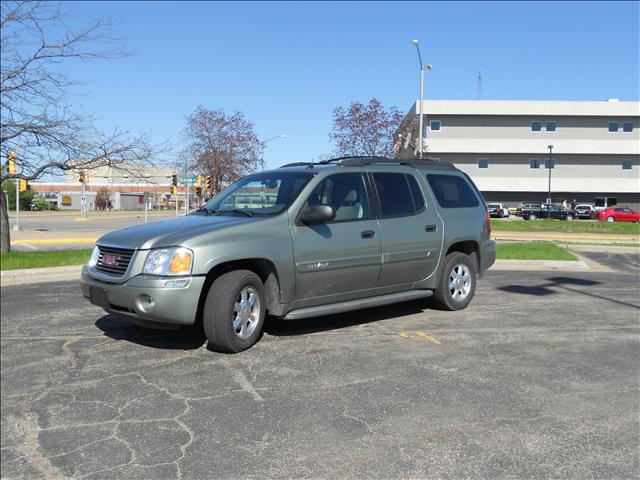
[
  {"x": 20, "y": 260},
  {"x": 532, "y": 251},
  {"x": 577, "y": 226}
]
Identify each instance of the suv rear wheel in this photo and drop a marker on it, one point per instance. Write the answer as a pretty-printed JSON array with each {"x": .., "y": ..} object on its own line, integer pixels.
[
  {"x": 234, "y": 311},
  {"x": 457, "y": 282}
]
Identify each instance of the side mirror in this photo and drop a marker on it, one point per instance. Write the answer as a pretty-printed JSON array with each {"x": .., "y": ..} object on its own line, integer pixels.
[{"x": 317, "y": 214}]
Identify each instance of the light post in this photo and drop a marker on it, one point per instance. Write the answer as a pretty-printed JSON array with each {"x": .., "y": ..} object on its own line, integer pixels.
[
  {"x": 422, "y": 67},
  {"x": 550, "y": 147},
  {"x": 264, "y": 143}
]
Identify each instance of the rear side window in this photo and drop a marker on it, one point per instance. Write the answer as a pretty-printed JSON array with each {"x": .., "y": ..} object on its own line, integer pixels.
[
  {"x": 398, "y": 193},
  {"x": 452, "y": 191}
]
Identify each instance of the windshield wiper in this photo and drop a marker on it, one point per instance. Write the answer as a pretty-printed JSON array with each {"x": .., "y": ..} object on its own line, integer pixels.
[
  {"x": 248, "y": 213},
  {"x": 203, "y": 210}
]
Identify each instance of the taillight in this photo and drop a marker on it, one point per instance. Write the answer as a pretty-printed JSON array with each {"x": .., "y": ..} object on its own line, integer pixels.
[{"x": 487, "y": 224}]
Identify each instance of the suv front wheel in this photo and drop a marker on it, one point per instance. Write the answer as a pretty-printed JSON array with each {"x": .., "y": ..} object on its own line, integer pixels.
[
  {"x": 457, "y": 282},
  {"x": 234, "y": 311}
]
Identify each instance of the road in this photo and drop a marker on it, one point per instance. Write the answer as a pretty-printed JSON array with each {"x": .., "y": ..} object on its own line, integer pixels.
[{"x": 538, "y": 378}]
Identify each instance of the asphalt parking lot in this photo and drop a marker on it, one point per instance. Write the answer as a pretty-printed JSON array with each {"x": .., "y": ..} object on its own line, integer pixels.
[{"x": 538, "y": 378}]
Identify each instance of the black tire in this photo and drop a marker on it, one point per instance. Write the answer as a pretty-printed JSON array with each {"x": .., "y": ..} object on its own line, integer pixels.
[
  {"x": 444, "y": 295},
  {"x": 218, "y": 315}
]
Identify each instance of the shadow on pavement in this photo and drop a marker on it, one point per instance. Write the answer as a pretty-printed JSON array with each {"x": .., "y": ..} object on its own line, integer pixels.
[
  {"x": 185, "y": 338},
  {"x": 555, "y": 286}
]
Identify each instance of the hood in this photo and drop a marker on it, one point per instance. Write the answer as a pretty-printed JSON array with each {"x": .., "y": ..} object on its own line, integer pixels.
[{"x": 170, "y": 232}]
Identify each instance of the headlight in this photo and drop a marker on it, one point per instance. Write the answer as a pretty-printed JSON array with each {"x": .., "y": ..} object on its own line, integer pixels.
[
  {"x": 94, "y": 257},
  {"x": 169, "y": 261}
]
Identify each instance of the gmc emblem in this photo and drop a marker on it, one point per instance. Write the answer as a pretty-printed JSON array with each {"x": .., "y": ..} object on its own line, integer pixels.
[{"x": 110, "y": 260}]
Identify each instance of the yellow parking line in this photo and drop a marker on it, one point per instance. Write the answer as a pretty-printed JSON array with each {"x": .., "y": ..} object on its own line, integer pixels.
[
  {"x": 419, "y": 334},
  {"x": 54, "y": 241}
]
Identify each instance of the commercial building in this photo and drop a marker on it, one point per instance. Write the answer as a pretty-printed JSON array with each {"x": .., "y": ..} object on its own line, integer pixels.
[{"x": 503, "y": 146}]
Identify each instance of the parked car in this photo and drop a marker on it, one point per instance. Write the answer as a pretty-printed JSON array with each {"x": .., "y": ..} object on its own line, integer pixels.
[
  {"x": 498, "y": 210},
  {"x": 547, "y": 210},
  {"x": 619, "y": 214},
  {"x": 585, "y": 210},
  {"x": 528, "y": 206},
  {"x": 324, "y": 238}
]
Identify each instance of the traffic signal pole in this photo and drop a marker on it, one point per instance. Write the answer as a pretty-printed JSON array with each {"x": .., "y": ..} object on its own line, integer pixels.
[{"x": 16, "y": 227}]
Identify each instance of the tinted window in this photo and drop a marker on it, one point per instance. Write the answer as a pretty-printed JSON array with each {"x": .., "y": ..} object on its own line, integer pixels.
[
  {"x": 483, "y": 163},
  {"x": 435, "y": 125},
  {"x": 627, "y": 127},
  {"x": 551, "y": 126},
  {"x": 416, "y": 193},
  {"x": 452, "y": 191},
  {"x": 394, "y": 194},
  {"x": 549, "y": 164},
  {"x": 534, "y": 163},
  {"x": 536, "y": 126},
  {"x": 613, "y": 126},
  {"x": 626, "y": 164},
  {"x": 344, "y": 192}
]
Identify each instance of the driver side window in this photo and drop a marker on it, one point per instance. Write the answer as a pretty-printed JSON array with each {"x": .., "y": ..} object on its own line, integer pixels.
[{"x": 345, "y": 193}]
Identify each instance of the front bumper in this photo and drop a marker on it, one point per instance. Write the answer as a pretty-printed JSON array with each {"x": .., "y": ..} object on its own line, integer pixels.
[{"x": 146, "y": 300}]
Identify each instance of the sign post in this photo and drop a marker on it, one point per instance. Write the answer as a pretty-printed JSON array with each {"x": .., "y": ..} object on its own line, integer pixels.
[{"x": 16, "y": 227}]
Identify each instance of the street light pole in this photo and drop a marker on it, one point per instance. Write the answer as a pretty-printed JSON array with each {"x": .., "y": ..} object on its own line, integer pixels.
[
  {"x": 284, "y": 135},
  {"x": 421, "y": 114},
  {"x": 550, "y": 147}
]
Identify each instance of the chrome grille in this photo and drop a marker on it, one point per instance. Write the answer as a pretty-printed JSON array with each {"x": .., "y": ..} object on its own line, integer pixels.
[{"x": 113, "y": 261}]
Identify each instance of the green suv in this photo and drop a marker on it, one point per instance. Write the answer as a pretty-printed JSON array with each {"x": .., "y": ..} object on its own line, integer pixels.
[{"x": 301, "y": 241}]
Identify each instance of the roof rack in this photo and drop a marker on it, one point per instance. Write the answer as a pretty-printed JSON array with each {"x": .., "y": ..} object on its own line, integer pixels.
[{"x": 359, "y": 161}]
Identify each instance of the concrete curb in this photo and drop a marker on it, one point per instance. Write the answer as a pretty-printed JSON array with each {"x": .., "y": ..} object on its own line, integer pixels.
[
  {"x": 39, "y": 275},
  {"x": 581, "y": 265}
]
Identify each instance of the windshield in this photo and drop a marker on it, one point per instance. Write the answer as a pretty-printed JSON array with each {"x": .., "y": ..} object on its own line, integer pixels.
[
  {"x": 267, "y": 193},
  {"x": 493, "y": 205}
]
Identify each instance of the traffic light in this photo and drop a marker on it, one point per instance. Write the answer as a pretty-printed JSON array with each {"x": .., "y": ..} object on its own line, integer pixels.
[
  {"x": 174, "y": 190},
  {"x": 207, "y": 182},
  {"x": 174, "y": 180},
  {"x": 11, "y": 162},
  {"x": 82, "y": 179},
  {"x": 23, "y": 185},
  {"x": 199, "y": 181}
]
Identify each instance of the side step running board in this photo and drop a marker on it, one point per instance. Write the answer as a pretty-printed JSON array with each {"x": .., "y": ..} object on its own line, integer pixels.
[{"x": 334, "y": 308}]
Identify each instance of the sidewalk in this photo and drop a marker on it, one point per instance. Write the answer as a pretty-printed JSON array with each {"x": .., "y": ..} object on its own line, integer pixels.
[{"x": 605, "y": 238}]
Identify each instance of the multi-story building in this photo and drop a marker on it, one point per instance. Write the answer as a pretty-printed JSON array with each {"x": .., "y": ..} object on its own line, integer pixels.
[{"x": 504, "y": 147}]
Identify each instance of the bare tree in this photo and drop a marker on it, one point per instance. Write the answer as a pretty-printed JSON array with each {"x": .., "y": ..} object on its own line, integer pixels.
[
  {"x": 37, "y": 121},
  {"x": 223, "y": 146},
  {"x": 365, "y": 129}
]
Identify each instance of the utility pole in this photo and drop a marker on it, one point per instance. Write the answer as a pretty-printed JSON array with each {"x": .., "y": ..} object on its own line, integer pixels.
[
  {"x": 550, "y": 147},
  {"x": 422, "y": 67},
  {"x": 186, "y": 197}
]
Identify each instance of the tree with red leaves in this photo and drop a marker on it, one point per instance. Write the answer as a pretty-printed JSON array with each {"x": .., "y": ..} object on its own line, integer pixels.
[
  {"x": 365, "y": 129},
  {"x": 221, "y": 145}
]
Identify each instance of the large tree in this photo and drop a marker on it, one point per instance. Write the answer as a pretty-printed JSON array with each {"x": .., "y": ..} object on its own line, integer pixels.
[
  {"x": 38, "y": 120},
  {"x": 365, "y": 129},
  {"x": 221, "y": 145}
]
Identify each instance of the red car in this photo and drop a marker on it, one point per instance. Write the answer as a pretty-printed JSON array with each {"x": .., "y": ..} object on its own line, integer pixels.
[{"x": 619, "y": 214}]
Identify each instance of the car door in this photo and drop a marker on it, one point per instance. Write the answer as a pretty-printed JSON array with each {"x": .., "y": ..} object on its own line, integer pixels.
[
  {"x": 343, "y": 255},
  {"x": 411, "y": 229}
]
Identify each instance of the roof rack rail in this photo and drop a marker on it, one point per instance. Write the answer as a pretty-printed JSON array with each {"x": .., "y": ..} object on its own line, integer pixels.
[{"x": 360, "y": 161}]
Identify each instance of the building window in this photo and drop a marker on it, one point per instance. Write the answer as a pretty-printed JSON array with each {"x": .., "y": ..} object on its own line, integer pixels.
[
  {"x": 534, "y": 163},
  {"x": 483, "y": 163},
  {"x": 613, "y": 126},
  {"x": 627, "y": 127},
  {"x": 549, "y": 162},
  {"x": 536, "y": 126},
  {"x": 626, "y": 164},
  {"x": 435, "y": 125},
  {"x": 550, "y": 126}
]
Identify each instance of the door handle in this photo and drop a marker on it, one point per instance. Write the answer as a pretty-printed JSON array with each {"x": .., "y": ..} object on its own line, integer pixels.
[
  {"x": 431, "y": 228},
  {"x": 368, "y": 234}
]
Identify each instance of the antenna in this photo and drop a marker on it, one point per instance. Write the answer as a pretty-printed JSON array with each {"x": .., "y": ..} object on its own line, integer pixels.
[{"x": 480, "y": 82}]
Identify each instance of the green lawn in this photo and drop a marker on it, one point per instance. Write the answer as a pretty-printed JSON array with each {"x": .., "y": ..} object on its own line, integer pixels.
[
  {"x": 16, "y": 260},
  {"x": 577, "y": 226},
  {"x": 532, "y": 251}
]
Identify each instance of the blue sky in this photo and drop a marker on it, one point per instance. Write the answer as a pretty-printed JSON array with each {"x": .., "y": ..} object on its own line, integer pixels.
[{"x": 287, "y": 65}]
